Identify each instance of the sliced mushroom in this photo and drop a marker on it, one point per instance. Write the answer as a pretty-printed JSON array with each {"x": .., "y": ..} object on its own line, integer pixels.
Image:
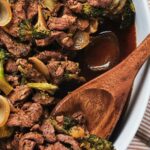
[
  {"x": 40, "y": 66},
  {"x": 120, "y": 6},
  {"x": 113, "y": 5},
  {"x": 5, "y": 13},
  {"x": 4, "y": 110},
  {"x": 81, "y": 40},
  {"x": 103, "y": 53},
  {"x": 93, "y": 27},
  {"x": 50, "y": 4}
]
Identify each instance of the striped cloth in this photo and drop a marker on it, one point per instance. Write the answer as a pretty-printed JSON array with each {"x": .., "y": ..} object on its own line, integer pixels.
[{"x": 142, "y": 139}]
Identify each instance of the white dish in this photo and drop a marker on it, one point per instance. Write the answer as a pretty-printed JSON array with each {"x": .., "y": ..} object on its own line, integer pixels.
[{"x": 141, "y": 88}]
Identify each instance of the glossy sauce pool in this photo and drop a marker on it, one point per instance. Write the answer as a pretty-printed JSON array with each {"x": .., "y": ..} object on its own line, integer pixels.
[{"x": 127, "y": 43}]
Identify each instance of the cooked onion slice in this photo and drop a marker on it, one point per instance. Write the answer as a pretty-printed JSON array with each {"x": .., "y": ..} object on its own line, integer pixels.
[
  {"x": 5, "y": 13},
  {"x": 5, "y": 132},
  {"x": 4, "y": 110},
  {"x": 40, "y": 66}
]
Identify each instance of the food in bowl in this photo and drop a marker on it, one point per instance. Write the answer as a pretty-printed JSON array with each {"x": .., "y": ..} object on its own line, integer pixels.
[{"x": 45, "y": 48}]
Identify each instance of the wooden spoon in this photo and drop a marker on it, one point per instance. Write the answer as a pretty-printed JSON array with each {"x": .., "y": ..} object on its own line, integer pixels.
[{"x": 102, "y": 99}]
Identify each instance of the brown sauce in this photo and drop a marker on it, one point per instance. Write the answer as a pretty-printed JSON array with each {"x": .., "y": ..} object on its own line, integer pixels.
[{"x": 127, "y": 43}]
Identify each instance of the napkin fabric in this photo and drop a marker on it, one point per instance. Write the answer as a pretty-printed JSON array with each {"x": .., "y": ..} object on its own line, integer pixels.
[{"x": 142, "y": 139}]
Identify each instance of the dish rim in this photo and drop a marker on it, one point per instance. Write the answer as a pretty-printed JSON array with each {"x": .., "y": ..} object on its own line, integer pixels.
[{"x": 141, "y": 89}]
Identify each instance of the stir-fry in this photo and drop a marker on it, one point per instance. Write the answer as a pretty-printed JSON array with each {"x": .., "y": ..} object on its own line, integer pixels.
[{"x": 40, "y": 41}]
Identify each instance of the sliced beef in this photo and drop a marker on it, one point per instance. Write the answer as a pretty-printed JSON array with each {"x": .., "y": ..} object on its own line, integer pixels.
[
  {"x": 15, "y": 48},
  {"x": 43, "y": 42},
  {"x": 48, "y": 131},
  {"x": 29, "y": 140},
  {"x": 27, "y": 145},
  {"x": 15, "y": 141},
  {"x": 56, "y": 146},
  {"x": 47, "y": 55},
  {"x": 65, "y": 40},
  {"x": 42, "y": 98},
  {"x": 75, "y": 6},
  {"x": 60, "y": 119},
  {"x": 100, "y": 3},
  {"x": 69, "y": 140},
  {"x": 82, "y": 24},
  {"x": 61, "y": 23},
  {"x": 20, "y": 93},
  {"x": 26, "y": 118},
  {"x": 35, "y": 127},
  {"x": 19, "y": 14},
  {"x": 13, "y": 80},
  {"x": 29, "y": 71},
  {"x": 32, "y": 8},
  {"x": 10, "y": 66},
  {"x": 58, "y": 69}
]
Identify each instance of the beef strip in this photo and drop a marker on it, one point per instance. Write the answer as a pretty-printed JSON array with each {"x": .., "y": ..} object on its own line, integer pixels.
[
  {"x": 56, "y": 146},
  {"x": 30, "y": 73},
  {"x": 32, "y": 8},
  {"x": 42, "y": 98},
  {"x": 58, "y": 69},
  {"x": 19, "y": 14},
  {"x": 43, "y": 42},
  {"x": 20, "y": 93},
  {"x": 13, "y": 80},
  {"x": 29, "y": 140},
  {"x": 36, "y": 127},
  {"x": 100, "y": 3},
  {"x": 82, "y": 24},
  {"x": 69, "y": 140},
  {"x": 61, "y": 23},
  {"x": 27, "y": 145},
  {"x": 10, "y": 66},
  {"x": 65, "y": 40},
  {"x": 15, "y": 48},
  {"x": 15, "y": 141},
  {"x": 48, "y": 131},
  {"x": 26, "y": 118},
  {"x": 75, "y": 6},
  {"x": 47, "y": 55}
]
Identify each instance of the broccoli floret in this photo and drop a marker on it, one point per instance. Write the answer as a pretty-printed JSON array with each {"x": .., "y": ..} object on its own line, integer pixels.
[
  {"x": 95, "y": 143},
  {"x": 69, "y": 122},
  {"x": 128, "y": 15},
  {"x": 50, "y": 88},
  {"x": 40, "y": 29},
  {"x": 4, "y": 85},
  {"x": 25, "y": 30},
  {"x": 90, "y": 11}
]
